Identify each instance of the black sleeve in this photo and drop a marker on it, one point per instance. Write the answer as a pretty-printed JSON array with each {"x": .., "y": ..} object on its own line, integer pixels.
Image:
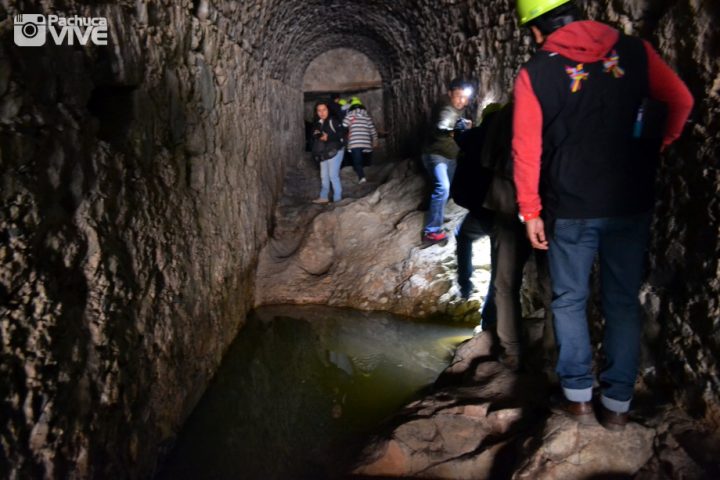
[{"x": 338, "y": 133}]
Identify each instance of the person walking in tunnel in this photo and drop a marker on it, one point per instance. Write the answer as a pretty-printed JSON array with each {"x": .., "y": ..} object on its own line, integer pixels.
[
  {"x": 584, "y": 187},
  {"x": 510, "y": 249},
  {"x": 488, "y": 191},
  {"x": 440, "y": 153},
  {"x": 362, "y": 135},
  {"x": 329, "y": 148},
  {"x": 468, "y": 189},
  {"x": 338, "y": 107}
]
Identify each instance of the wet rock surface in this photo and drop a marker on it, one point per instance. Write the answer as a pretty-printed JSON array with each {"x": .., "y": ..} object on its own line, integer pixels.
[
  {"x": 485, "y": 421},
  {"x": 365, "y": 251},
  {"x": 139, "y": 182}
]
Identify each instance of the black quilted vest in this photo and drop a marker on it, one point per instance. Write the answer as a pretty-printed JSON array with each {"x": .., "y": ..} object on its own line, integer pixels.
[{"x": 592, "y": 165}]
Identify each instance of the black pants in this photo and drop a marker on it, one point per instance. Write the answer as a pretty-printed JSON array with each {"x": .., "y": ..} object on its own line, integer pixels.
[{"x": 510, "y": 251}]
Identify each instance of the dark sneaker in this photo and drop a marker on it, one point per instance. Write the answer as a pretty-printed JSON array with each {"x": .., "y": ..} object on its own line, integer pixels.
[
  {"x": 581, "y": 412},
  {"x": 434, "y": 238},
  {"x": 612, "y": 420}
]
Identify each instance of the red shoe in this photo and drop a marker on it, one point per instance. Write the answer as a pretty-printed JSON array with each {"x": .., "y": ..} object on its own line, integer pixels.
[{"x": 434, "y": 238}]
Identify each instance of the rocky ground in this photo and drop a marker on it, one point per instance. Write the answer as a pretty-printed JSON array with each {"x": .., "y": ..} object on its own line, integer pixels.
[
  {"x": 365, "y": 251},
  {"x": 482, "y": 421}
]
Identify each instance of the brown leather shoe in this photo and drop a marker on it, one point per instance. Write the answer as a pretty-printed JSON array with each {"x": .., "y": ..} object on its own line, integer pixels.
[
  {"x": 581, "y": 412},
  {"x": 612, "y": 420}
]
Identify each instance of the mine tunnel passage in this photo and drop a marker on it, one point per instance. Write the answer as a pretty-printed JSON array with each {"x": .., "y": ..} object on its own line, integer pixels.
[
  {"x": 416, "y": 48},
  {"x": 140, "y": 183}
]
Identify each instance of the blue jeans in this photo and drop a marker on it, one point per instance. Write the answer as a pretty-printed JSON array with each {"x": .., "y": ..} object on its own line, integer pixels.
[
  {"x": 330, "y": 173},
  {"x": 474, "y": 227},
  {"x": 442, "y": 170},
  {"x": 357, "y": 159},
  {"x": 621, "y": 243}
]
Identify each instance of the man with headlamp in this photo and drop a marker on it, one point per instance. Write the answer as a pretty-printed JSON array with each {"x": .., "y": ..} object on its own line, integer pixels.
[{"x": 440, "y": 153}]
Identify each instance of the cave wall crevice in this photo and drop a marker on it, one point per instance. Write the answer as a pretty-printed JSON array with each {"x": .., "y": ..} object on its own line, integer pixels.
[{"x": 139, "y": 181}]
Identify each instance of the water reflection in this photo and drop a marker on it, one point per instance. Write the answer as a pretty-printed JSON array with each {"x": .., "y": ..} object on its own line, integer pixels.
[{"x": 300, "y": 386}]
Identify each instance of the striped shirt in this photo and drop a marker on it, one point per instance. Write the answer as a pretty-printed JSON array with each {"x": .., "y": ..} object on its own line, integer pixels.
[{"x": 362, "y": 129}]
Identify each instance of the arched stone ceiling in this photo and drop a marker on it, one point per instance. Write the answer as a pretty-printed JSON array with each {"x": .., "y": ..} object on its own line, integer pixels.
[{"x": 398, "y": 35}]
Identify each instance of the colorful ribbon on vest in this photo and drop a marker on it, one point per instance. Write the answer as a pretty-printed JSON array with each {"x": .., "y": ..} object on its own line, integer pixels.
[
  {"x": 612, "y": 65},
  {"x": 577, "y": 75}
]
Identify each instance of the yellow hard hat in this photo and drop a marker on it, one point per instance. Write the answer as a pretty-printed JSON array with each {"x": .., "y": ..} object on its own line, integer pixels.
[{"x": 529, "y": 10}]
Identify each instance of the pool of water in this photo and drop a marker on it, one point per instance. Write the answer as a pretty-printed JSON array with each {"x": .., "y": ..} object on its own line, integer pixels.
[{"x": 301, "y": 387}]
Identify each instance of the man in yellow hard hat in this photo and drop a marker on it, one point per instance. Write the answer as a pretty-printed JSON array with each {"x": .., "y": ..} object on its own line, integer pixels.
[
  {"x": 584, "y": 176},
  {"x": 338, "y": 106}
]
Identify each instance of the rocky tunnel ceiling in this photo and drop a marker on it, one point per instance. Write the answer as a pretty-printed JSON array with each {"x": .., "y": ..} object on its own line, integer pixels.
[
  {"x": 400, "y": 36},
  {"x": 329, "y": 42},
  {"x": 139, "y": 184}
]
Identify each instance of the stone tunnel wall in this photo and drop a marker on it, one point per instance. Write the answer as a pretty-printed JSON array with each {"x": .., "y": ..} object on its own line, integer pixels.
[
  {"x": 138, "y": 183},
  {"x": 482, "y": 43}
]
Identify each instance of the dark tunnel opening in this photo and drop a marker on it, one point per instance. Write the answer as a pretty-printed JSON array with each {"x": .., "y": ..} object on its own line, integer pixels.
[
  {"x": 345, "y": 73},
  {"x": 114, "y": 109},
  {"x": 154, "y": 173}
]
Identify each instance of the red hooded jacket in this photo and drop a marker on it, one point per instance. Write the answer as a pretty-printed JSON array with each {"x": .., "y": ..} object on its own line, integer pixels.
[{"x": 583, "y": 41}]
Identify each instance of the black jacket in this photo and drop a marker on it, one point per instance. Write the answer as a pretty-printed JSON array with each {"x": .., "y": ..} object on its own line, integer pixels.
[
  {"x": 471, "y": 180},
  {"x": 333, "y": 128},
  {"x": 497, "y": 158}
]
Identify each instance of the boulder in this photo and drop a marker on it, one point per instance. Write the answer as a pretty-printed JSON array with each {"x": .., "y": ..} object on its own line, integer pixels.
[{"x": 365, "y": 251}]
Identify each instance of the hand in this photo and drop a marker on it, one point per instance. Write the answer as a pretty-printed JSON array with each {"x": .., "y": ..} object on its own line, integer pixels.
[
  {"x": 324, "y": 137},
  {"x": 536, "y": 233},
  {"x": 468, "y": 123}
]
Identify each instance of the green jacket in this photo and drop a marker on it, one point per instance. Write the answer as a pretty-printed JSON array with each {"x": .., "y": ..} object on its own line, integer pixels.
[{"x": 440, "y": 139}]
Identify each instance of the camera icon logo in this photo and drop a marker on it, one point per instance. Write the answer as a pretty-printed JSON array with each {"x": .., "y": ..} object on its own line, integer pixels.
[{"x": 30, "y": 30}]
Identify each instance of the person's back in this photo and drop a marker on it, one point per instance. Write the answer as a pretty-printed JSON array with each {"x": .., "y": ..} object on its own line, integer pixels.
[
  {"x": 362, "y": 135},
  {"x": 584, "y": 193},
  {"x": 497, "y": 158},
  {"x": 361, "y": 129},
  {"x": 472, "y": 179},
  {"x": 584, "y": 90},
  {"x": 590, "y": 104},
  {"x": 338, "y": 107}
]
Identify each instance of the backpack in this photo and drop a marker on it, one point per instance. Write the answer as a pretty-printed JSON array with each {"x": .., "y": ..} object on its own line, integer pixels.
[
  {"x": 471, "y": 180},
  {"x": 497, "y": 157}
]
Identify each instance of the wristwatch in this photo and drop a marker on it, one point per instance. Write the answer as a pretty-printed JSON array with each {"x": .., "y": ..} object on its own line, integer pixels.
[{"x": 528, "y": 216}]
